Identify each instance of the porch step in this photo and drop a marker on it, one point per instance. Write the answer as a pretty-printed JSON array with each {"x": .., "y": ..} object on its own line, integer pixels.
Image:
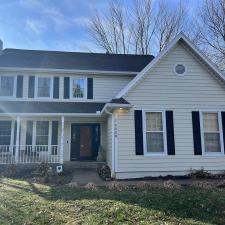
[{"x": 82, "y": 165}]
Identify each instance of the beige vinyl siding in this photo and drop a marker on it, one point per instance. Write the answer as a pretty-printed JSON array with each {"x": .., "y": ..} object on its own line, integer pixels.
[
  {"x": 106, "y": 87},
  {"x": 109, "y": 142},
  {"x": 161, "y": 89}
]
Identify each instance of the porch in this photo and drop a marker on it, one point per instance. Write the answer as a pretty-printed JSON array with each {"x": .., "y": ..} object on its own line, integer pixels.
[
  {"x": 30, "y": 139},
  {"x": 36, "y": 139}
]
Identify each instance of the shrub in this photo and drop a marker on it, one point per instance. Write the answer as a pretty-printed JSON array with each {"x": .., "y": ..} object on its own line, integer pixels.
[
  {"x": 221, "y": 184},
  {"x": 10, "y": 171},
  {"x": 104, "y": 172},
  {"x": 202, "y": 184},
  {"x": 200, "y": 174},
  {"x": 72, "y": 185},
  {"x": 116, "y": 186},
  {"x": 171, "y": 184},
  {"x": 44, "y": 169},
  {"x": 143, "y": 185},
  {"x": 91, "y": 186}
]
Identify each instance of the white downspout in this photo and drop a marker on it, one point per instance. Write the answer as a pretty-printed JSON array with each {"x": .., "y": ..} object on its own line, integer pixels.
[{"x": 113, "y": 142}]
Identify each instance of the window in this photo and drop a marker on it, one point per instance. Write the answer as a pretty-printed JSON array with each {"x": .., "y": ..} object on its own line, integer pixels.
[
  {"x": 7, "y": 84},
  {"x": 211, "y": 132},
  {"x": 5, "y": 132},
  {"x": 42, "y": 132},
  {"x": 154, "y": 135},
  {"x": 78, "y": 89},
  {"x": 180, "y": 69},
  {"x": 44, "y": 87}
]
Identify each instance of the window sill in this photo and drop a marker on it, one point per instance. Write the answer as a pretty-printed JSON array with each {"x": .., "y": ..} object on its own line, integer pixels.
[
  {"x": 155, "y": 154},
  {"x": 212, "y": 155}
]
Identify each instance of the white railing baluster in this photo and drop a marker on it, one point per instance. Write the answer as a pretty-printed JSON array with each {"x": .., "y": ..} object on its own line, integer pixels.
[{"x": 30, "y": 154}]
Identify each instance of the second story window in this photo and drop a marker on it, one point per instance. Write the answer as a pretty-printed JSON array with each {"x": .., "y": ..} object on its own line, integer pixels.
[
  {"x": 7, "y": 86},
  {"x": 78, "y": 88},
  {"x": 44, "y": 87}
]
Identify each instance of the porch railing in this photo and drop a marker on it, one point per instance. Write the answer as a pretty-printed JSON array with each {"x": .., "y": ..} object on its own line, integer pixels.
[{"x": 29, "y": 154}]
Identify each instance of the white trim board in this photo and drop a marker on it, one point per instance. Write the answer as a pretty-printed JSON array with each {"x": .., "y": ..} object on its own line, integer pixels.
[
  {"x": 166, "y": 50},
  {"x": 68, "y": 71}
]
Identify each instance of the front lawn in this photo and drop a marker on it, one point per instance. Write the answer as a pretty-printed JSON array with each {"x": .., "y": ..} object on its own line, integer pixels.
[{"x": 23, "y": 202}]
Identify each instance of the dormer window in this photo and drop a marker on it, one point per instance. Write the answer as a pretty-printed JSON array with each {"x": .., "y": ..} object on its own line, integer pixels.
[
  {"x": 44, "y": 87},
  {"x": 7, "y": 86},
  {"x": 78, "y": 88}
]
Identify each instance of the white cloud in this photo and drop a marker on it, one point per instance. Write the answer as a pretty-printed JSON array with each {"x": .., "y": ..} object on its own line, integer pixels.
[{"x": 36, "y": 26}]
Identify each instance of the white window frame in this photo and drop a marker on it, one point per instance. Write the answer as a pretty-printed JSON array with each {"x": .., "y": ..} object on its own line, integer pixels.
[
  {"x": 14, "y": 86},
  {"x": 220, "y": 132},
  {"x": 34, "y": 136},
  {"x": 71, "y": 88},
  {"x": 36, "y": 87},
  {"x": 146, "y": 153}
]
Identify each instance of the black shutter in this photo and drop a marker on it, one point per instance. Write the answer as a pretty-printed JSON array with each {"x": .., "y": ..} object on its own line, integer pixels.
[
  {"x": 138, "y": 132},
  {"x": 90, "y": 88},
  {"x": 31, "y": 87},
  {"x": 29, "y": 133},
  {"x": 15, "y": 129},
  {"x": 196, "y": 133},
  {"x": 66, "y": 87},
  {"x": 19, "y": 87},
  {"x": 223, "y": 125},
  {"x": 54, "y": 137},
  {"x": 170, "y": 133},
  {"x": 56, "y": 87}
]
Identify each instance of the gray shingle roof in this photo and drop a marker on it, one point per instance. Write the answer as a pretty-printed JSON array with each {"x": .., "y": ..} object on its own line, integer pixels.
[
  {"x": 73, "y": 60},
  {"x": 49, "y": 107},
  {"x": 119, "y": 101}
]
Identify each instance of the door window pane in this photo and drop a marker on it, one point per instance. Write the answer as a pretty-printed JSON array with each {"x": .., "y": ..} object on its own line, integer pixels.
[{"x": 6, "y": 85}]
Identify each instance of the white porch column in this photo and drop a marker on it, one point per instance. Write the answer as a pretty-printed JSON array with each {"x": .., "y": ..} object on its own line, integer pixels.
[
  {"x": 17, "y": 139},
  {"x": 62, "y": 141}
]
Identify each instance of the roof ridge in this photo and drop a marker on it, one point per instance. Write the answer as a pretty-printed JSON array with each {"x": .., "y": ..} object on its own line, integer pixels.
[{"x": 74, "y": 52}]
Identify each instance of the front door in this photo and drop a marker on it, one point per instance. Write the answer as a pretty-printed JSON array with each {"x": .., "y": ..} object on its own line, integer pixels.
[{"x": 85, "y": 141}]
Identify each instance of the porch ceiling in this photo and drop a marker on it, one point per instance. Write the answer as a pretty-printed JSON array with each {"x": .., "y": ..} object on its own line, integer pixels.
[{"x": 7, "y": 107}]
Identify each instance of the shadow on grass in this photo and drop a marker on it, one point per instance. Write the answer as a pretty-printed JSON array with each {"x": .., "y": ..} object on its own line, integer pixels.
[{"x": 187, "y": 203}]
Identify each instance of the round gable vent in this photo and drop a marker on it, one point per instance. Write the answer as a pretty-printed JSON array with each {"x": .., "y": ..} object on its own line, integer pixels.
[{"x": 180, "y": 69}]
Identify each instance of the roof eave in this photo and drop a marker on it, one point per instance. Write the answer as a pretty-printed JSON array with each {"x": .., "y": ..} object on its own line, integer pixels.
[{"x": 67, "y": 71}]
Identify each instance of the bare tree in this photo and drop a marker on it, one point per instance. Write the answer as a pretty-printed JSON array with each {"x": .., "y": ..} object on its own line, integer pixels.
[
  {"x": 170, "y": 22},
  {"x": 211, "y": 30},
  {"x": 110, "y": 30},
  {"x": 143, "y": 26},
  {"x": 136, "y": 29}
]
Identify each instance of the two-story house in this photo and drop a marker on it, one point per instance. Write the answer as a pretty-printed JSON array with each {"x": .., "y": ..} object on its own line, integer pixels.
[{"x": 152, "y": 116}]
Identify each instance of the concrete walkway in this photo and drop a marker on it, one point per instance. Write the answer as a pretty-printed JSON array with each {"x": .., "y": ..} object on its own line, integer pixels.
[{"x": 84, "y": 176}]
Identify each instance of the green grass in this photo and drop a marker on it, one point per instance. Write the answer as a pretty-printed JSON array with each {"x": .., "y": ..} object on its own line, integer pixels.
[{"x": 26, "y": 203}]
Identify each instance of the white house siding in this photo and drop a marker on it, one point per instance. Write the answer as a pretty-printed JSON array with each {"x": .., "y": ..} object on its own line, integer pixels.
[{"x": 161, "y": 89}]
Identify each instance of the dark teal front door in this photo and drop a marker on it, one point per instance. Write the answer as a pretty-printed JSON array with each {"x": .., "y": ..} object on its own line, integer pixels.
[{"x": 85, "y": 141}]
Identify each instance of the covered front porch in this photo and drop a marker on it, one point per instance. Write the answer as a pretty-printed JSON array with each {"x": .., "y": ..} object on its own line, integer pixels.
[
  {"x": 45, "y": 132},
  {"x": 33, "y": 139}
]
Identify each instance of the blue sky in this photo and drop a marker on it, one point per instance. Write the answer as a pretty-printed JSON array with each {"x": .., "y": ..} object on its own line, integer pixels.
[{"x": 54, "y": 24}]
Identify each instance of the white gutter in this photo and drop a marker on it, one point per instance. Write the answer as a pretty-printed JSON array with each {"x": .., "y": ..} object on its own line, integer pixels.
[
  {"x": 67, "y": 71},
  {"x": 113, "y": 142}
]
